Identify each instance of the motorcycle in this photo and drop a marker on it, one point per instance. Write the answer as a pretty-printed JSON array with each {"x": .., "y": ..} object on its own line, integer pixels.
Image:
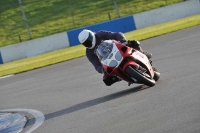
[{"x": 126, "y": 63}]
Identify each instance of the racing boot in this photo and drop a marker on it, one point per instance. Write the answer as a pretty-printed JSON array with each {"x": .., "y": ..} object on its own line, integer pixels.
[
  {"x": 149, "y": 55},
  {"x": 116, "y": 79},
  {"x": 129, "y": 83},
  {"x": 109, "y": 80}
]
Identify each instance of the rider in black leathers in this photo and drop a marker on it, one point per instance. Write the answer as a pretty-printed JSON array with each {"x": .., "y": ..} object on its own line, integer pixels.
[{"x": 91, "y": 40}]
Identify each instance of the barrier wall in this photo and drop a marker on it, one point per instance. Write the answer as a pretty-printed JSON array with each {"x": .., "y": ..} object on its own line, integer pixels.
[
  {"x": 70, "y": 38},
  {"x": 118, "y": 25},
  {"x": 168, "y": 13},
  {"x": 34, "y": 47},
  {"x": 1, "y": 61}
]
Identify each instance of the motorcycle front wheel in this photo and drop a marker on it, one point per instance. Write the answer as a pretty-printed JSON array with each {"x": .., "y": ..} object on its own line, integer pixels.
[{"x": 141, "y": 78}]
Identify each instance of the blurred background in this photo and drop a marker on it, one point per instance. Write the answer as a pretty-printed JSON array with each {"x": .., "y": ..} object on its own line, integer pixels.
[{"x": 22, "y": 20}]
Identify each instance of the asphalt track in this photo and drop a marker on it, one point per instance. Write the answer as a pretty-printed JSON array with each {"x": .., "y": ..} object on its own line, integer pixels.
[{"x": 73, "y": 98}]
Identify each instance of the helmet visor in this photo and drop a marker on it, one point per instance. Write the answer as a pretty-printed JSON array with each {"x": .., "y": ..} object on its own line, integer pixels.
[{"x": 88, "y": 42}]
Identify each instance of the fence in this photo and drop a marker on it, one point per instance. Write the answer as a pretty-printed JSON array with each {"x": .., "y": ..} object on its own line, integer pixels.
[{"x": 22, "y": 20}]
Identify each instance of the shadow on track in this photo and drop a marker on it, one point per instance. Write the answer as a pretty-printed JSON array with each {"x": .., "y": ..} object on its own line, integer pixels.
[{"x": 91, "y": 103}]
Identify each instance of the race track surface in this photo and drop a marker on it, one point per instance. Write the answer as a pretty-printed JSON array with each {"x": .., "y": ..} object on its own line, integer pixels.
[{"x": 73, "y": 98}]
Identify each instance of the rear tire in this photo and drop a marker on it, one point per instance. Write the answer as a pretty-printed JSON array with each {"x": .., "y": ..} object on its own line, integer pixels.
[
  {"x": 140, "y": 77},
  {"x": 156, "y": 74}
]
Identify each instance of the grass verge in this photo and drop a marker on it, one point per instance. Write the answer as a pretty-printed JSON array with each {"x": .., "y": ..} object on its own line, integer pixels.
[
  {"x": 79, "y": 51},
  {"x": 46, "y": 17}
]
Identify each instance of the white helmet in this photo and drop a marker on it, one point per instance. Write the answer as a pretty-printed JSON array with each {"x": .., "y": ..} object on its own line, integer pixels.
[{"x": 87, "y": 38}]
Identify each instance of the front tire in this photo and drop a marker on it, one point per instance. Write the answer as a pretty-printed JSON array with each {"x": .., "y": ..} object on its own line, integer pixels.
[{"x": 140, "y": 77}]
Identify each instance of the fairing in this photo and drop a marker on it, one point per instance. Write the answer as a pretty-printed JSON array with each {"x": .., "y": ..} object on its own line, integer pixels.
[{"x": 115, "y": 57}]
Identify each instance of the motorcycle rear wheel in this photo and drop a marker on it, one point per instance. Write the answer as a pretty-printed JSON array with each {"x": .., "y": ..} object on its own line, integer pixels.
[
  {"x": 140, "y": 77},
  {"x": 156, "y": 74}
]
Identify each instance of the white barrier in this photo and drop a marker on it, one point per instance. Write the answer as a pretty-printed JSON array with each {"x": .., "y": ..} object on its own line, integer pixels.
[
  {"x": 34, "y": 47},
  {"x": 168, "y": 13}
]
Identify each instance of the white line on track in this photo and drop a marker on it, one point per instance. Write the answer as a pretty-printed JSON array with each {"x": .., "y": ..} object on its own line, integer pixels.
[
  {"x": 6, "y": 76},
  {"x": 39, "y": 117}
]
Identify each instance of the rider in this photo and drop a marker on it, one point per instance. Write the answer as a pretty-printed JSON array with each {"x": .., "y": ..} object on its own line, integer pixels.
[{"x": 91, "y": 40}]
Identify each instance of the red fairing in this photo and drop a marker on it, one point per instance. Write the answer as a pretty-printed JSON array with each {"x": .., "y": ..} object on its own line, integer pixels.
[
  {"x": 135, "y": 55},
  {"x": 130, "y": 57}
]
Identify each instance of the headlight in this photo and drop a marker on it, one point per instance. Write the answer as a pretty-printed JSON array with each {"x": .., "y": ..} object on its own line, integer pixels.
[
  {"x": 118, "y": 56},
  {"x": 113, "y": 63}
]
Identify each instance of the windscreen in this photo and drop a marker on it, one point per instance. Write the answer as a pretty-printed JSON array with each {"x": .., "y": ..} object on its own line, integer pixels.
[{"x": 104, "y": 49}]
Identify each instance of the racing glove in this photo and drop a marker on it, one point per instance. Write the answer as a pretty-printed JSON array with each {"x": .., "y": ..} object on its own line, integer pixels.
[
  {"x": 123, "y": 41},
  {"x": 133, "y": 43}
]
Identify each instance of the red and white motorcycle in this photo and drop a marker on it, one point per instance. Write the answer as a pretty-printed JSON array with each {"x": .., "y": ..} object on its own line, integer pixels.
[{"x": 126, "y": 63}]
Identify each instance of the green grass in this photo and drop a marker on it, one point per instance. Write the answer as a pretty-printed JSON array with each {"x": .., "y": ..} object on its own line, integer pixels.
[
  {"x": 78, "y": 51},
  {"x": 46, "y": 17}
]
